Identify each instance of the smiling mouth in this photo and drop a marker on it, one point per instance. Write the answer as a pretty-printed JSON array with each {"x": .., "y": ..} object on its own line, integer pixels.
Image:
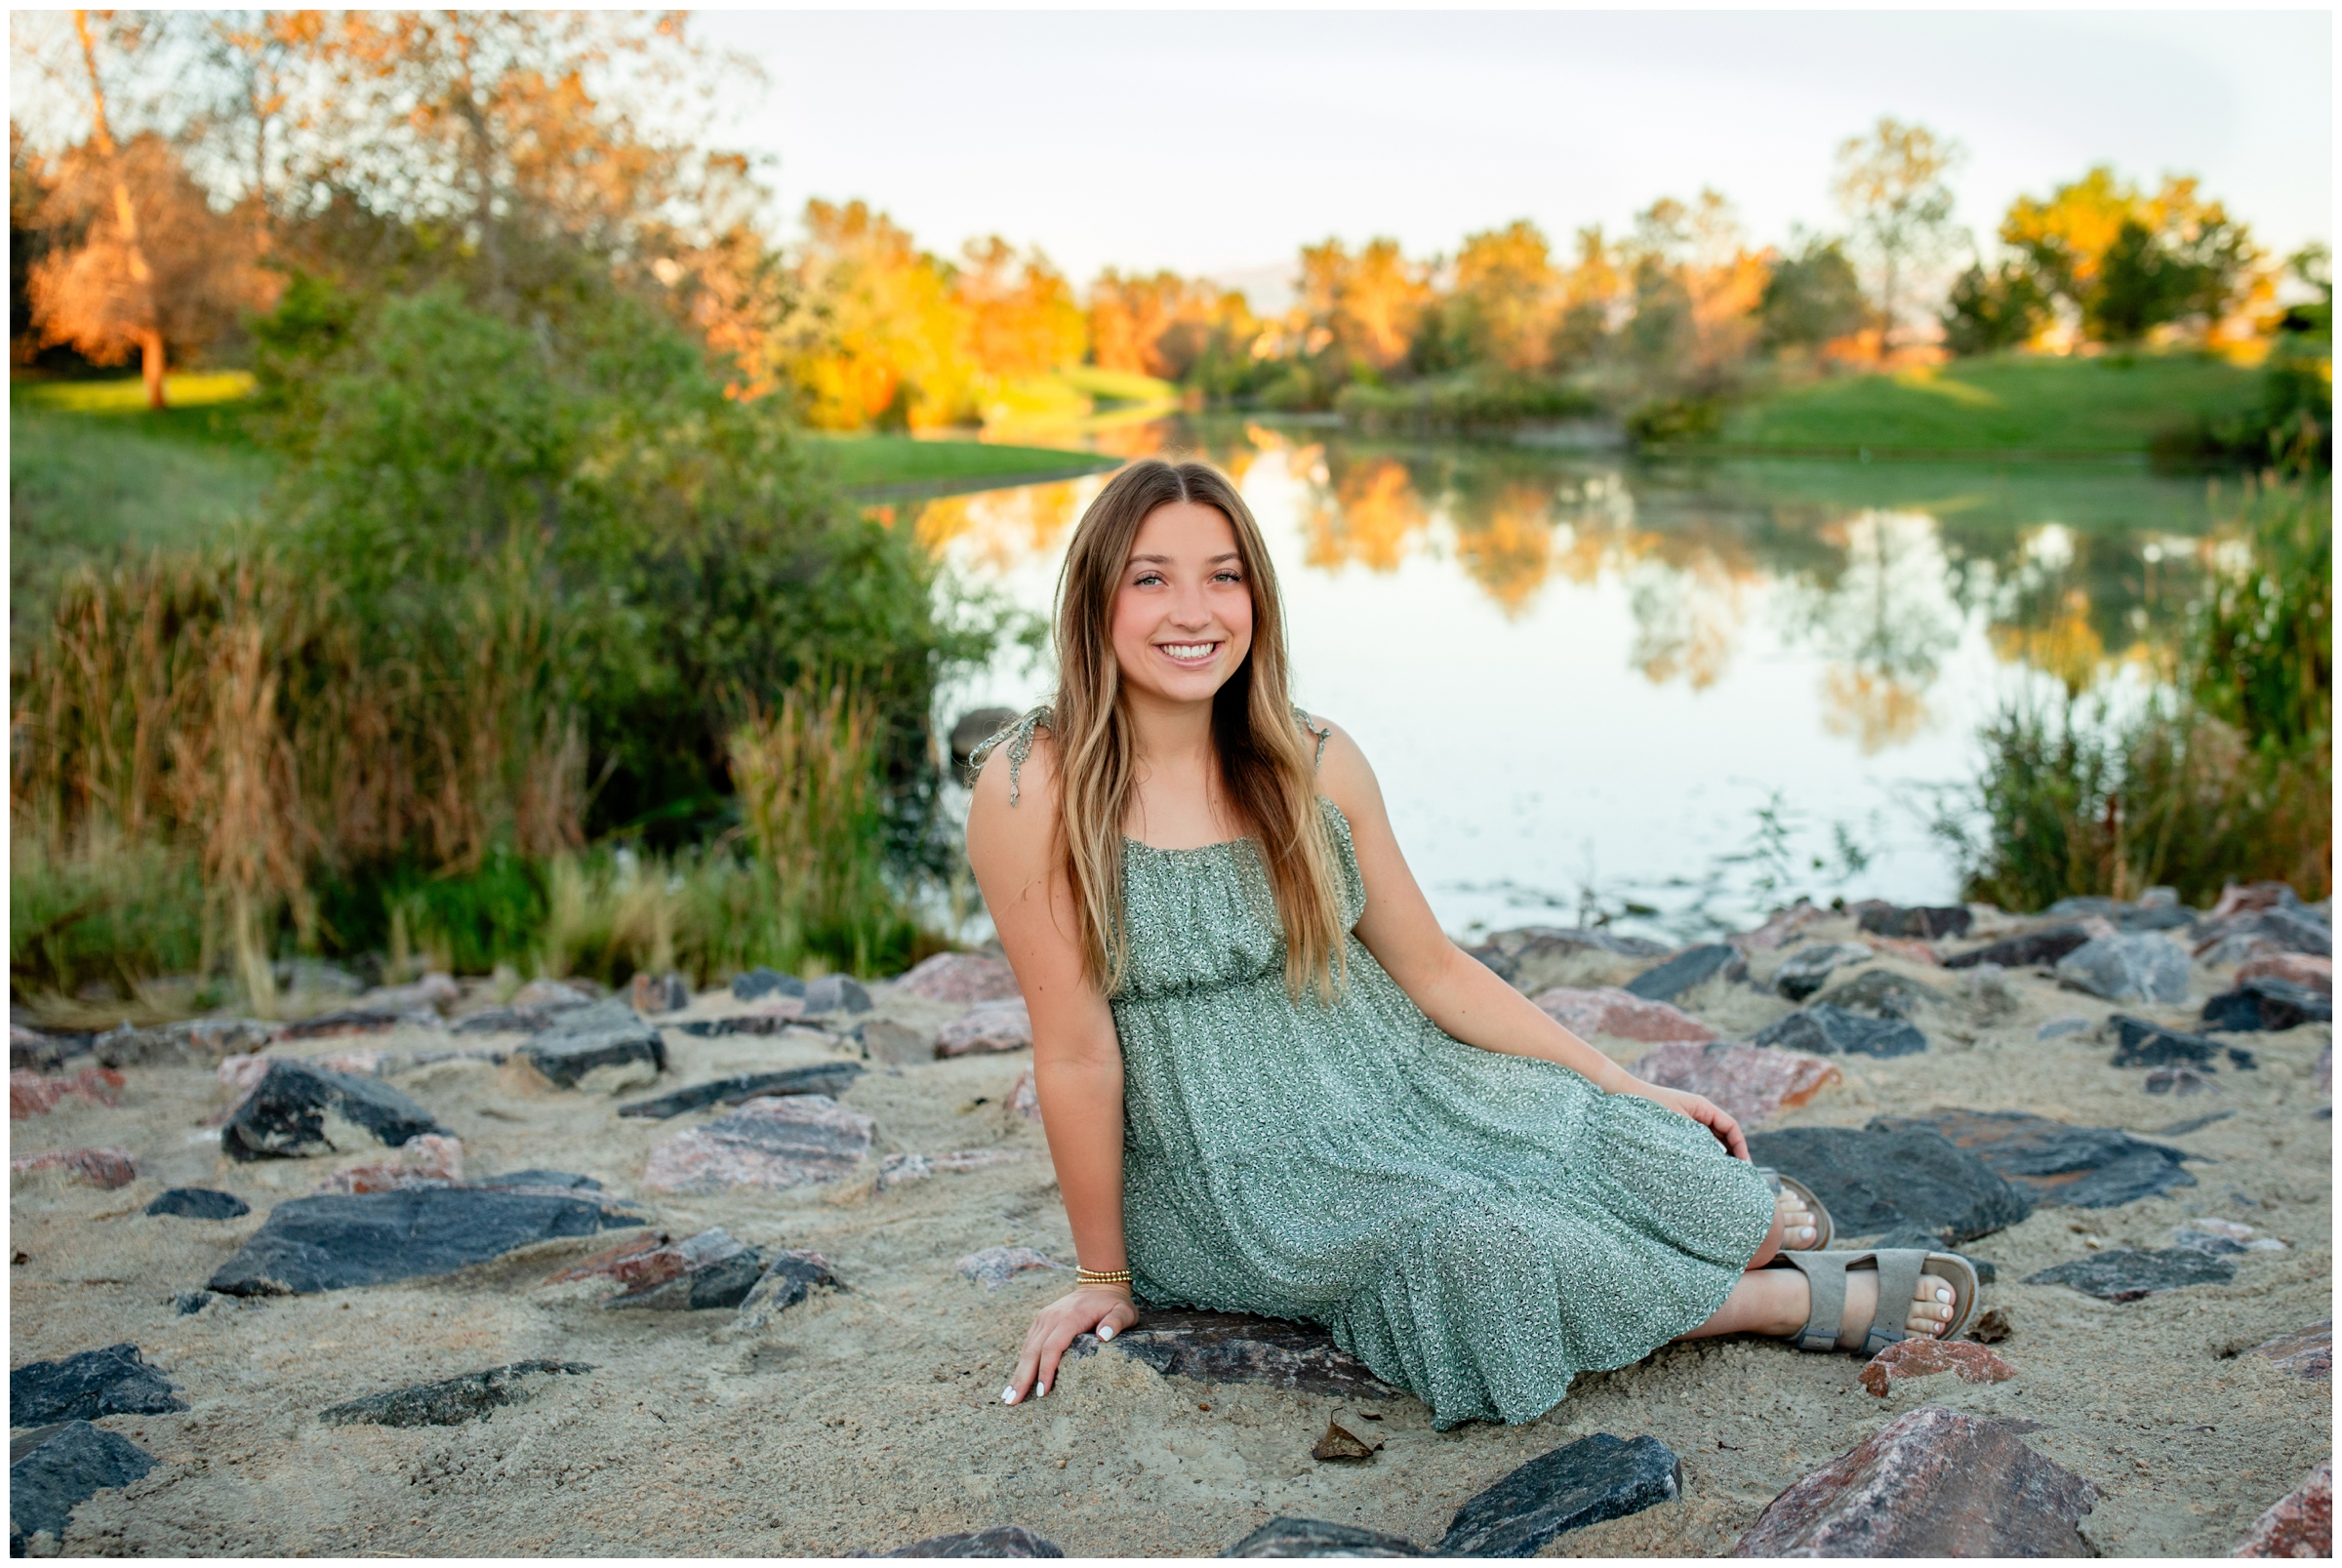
[{"x": 1189, "y": 653}]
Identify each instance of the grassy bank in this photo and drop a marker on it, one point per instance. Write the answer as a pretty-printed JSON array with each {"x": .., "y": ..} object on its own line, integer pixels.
[
  {"x": 2002, "y": 404},
  {"x": 876, "y": 466}
]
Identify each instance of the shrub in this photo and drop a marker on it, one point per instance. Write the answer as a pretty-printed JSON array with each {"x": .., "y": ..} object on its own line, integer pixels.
[{"x": 1468, "y": 401}]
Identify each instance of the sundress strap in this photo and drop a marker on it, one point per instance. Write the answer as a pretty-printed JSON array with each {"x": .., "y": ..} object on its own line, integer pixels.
[
  {"x": 1324, "y": 736},
  {"x": 1018, "y": 735}
]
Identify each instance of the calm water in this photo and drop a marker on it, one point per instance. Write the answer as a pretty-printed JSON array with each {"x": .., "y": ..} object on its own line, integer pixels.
[{"x": 1674, "y": 694}]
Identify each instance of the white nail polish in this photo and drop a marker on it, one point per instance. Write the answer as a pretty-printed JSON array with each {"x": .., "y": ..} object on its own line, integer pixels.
[
  {"x": 1041, "y": 1392},
  {"x": 1943, "y": 1293},
  {"x": 1008, "y": 1396},
  {"x": 1106, "y": 1331}
]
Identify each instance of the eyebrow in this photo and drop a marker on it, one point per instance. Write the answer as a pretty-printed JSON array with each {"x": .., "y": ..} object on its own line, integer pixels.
[{"x": 1165, "y": 560}]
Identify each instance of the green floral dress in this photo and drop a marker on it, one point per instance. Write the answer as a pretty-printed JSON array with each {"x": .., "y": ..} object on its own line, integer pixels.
[{"x": 1477, "y": 1228}]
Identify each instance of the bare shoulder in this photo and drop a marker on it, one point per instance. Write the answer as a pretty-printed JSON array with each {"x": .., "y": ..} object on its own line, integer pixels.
[
  {"x": 1012, "y": 813},
  {"x": 1344, "y": 775}
]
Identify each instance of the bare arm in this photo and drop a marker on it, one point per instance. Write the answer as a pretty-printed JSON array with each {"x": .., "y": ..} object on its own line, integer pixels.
[
  {"x": 1464, "y": 997},
  {"x": 1077, "y": 1057}
]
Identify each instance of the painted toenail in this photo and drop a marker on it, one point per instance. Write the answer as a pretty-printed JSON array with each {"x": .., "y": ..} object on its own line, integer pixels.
[{"x": 1943, "y": 1294}]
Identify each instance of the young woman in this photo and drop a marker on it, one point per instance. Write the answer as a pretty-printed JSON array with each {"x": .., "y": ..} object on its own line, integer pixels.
[{"x": 1272, "y": 1084}]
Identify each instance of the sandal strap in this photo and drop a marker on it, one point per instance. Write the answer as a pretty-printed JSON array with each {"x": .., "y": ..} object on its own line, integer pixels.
[
  {"x": 1899, "y": 1271},
  {"x": 1825, "y": 1286}
]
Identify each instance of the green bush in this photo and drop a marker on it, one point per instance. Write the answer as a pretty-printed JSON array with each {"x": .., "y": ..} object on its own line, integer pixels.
[
  {"x": 103, "y": 913},
  {"x": 1675, "y": 419},
  {"x": 1468, "y": 401}
]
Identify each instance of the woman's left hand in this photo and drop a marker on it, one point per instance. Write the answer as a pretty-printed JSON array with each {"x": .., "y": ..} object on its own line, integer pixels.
[{"x": 1699, "y": 1108}]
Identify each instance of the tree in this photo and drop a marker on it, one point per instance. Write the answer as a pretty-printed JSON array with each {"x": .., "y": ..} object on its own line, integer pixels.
[
  {"x": 1891, "y": 184},
  {"x": 2126, "y": 263},
  {"x": 101, "y": 297},
  {"x": 1811, "y": 297},
  {"x": 1025, "y": 320},
  {"x": 1695, "y": 286},
  {"x": 1988, "y": 311},
  {"x": 1502, "y": 307}
]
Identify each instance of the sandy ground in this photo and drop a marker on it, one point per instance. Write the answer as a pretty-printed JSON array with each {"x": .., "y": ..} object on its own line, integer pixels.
[{"x": 863, "y": 1421}]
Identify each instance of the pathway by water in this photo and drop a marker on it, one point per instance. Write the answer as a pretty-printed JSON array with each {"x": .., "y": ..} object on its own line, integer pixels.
[{"x": 1672, "y": 694}]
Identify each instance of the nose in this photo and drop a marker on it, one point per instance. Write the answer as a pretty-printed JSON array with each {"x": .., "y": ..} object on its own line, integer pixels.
[{"x": 1190, "y": 612}]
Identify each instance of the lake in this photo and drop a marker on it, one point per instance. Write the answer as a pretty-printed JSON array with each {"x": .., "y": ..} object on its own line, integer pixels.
[{"x": 1672, "y": 694}]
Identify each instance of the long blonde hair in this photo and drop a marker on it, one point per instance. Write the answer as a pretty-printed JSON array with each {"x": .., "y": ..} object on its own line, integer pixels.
[{"x": 1267, "y": 760}]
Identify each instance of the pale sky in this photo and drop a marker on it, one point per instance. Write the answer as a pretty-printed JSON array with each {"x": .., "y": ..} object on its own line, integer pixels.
[{"x": 1218, "y": 142}]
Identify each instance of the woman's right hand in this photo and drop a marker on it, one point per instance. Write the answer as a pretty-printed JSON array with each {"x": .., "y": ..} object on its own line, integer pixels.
[{"x": 1104, "y": 1310}]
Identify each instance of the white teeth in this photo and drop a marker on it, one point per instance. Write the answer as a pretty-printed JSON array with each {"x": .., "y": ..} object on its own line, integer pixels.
[{"x": 1188, "y": 650}]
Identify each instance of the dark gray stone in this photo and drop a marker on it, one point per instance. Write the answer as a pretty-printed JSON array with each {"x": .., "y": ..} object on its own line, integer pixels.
[
  {"x": 1883, "y": 993},
  {"x": 721, "y": 1283},
  {"x": 1283, "y": 1536},
  {"x": 1243, "y": 1348},
  {"x": 2119, "y": 1274},
  {"x": 1828, "y": 1030},
  {"x": 54, "y": 1469},
  {"x": 2297, "y": 928},
  {"x": 2179, "y": 1080},
  {"x": 112, "y": 1381},
  {"x": 1883, "y": 1180},
  {"x": 836, "y": 994},
  {"x": 190, "y": 1302},
  {"x": 2023, "y": 952},
  {"x": 1691, "y": 967},
  {"x": 46, "y": 1050},
  {"x": 832, "y": 1078},
  {"x": 541, "y": 1181},
  {"x": 758, "y": 982},
  {"x": 1000, "y": 1541},
  {"x": 791, "y": 1276},
  {"x": 199, "y": 1203},
  {"x": 1591, "y": 1479},
  {"x": 514, "y": 1020},
  {"x": 2056, "y": 1164},
  {"x": 1531, "y": 950},
  {"x": 357, "y": 1021},
  {"x": 196, "y": 1042},
  {"x": 452, "y": 1402},
  {"x": 2265, "y": 1002},
  {"x": 2160, "y": 915},
  {"x": 2127, "y": 968},
  {"x": 709, "y": 1029},
  {"x": 284, "y": 1115},
  {"x": 584, "y": 1038},
  {"x": 1923, "y": 924},
  {"x": 339, "y": 1240},
  {"x": 2142, "y": 1043},
  {"x": 1803, "y": 971}
]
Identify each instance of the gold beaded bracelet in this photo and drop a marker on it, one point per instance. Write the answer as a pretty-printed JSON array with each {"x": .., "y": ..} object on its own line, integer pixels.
[{"x": 1094, "y": 1276}]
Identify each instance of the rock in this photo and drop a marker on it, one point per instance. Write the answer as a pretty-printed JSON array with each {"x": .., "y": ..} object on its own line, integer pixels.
[
  {"x": 581, "y": 1040},
  {"x": 764, "y": 983},
  {"x": 284, "y": 1116},
  {"x": 2223, "y": 1238},
  {"x": 2307, "y": 1354},
  {"x": 2179, "y": 1081},
  {"x": 315, "y": 978},
  {"x": 435, "y": 992},
  {"x": 2294, "y": 967},
  {"x": 1930, "y": 1483},
  {"x": 1992, "y": 1326},
  {"x": 427, "y": 1159},
  {"x": 507, "y": 1021},
  {"x": 1926, "y": 923},
  {"x": 769, "y": 1142},
  {"x": 450, "y": 1403},
  {"x": 1000, "y": 1541},
  {"x": 1883, "y": 1180},
  {"x": 54, "y": 1469},
  {"x": 647, "y": 1257},
  {"x": 2299, "y": 1524},
  {"x": 2127, "y": 969},
  {"x": 2024, "y": 951},
  {"x": 1883, "y": 993},
  {"x": 774, "y": 1015},
  {"x": 1242, "y": 1347},
  {"x": 720, "y": 1278},
  {"x": 193, "y": 1042},
  {"x": 1753, "y": 1083},
  {"x": 2266, "y": 1002},
  {"x": 29, "y": 1093},
  {"x": 2122, "y": 1274},
  {"x": 1620, "y": 1013},
  {"x": 354, "y": 1020},
  {"x": 1828, "y": 1030},
  {"x": 995, "y": 1266},
  {"x": 832, "y": 1078},
  {"x": 335, "y": 1242},
  {"x": 1283, "y": 1536},
  {"x": 900, "y": 1170},
  {"x": 836, "y": 994},
  {"x": 112, "y": 1381},
  {"x": 895, "y": 1043},
  {"x": 986, "y": 1027},
  {"x": 1024, "y": 1096},
  {"x": 1585, "y": 1482},
  {"x": 557, "y": 995},
  {"x": 2190, "y": 1124},
  {"x": 1908, "y": 1359},
  {"x": 1802, "y": 972},
  {"x": 2245, "y": 898},
  {"x": 961, "y": 978},
  {"x": 1693, "y": 966},
  {"x": 199, "y": 1203},
  {"x": 2140, "y": 1043},
  {"x": 1536, "y": 958},
  {"x": 34, "y": 1051},
  {"x": 659, "y": 994},
  {"x": 2057, "y": 1028},
  {"x": 975, "y": 726},
  {"x": 2248, "y": 935},
  {"x": 1779, "y": 926},
  {"x": 539, "y": 1180},
  {"x": 2161, "y": 914},
  {"x": 790, "y": 1276},
  {"x": 615, "y": 1078},
  {"x": 1340, "y": 1443},
  {"x": 102, "y": 1168},
  {"x": 190, "y": 1302},
  {"x": 2056, "y": 1164}
]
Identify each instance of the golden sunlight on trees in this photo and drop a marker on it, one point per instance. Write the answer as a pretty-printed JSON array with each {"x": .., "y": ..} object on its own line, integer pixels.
[
  {"x": 1364, "y": 309},
  {"x": 1696, "y": 286},
  {"x": 1890, "y": 185},
  {"x": 2126, "y": 263},
  {"x": 1500, "y": 307}
]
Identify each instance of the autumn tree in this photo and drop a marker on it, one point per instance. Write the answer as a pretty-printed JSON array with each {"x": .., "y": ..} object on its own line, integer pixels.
[
  {"x": 1891, "y": 184},
  {"x": 1362, "y": 310},
  {"x": 1695, "y": 286},
  {"x": 1811, "y": 297},
  {"x": 2126, "y": 262},
  {"x": 1501, "y": 307},
  {"x": 1023, "y": 317}
]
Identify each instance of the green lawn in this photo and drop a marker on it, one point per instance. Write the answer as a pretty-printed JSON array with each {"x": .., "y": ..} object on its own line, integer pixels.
[
  {"x": 899, "y": 465},
  {"x": 2001, "y": 404}
]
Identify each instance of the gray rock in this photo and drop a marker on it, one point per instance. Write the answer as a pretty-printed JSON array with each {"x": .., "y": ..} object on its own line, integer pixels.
[
  {"x": 198, "y": 1042},
  {"x": 199, "y": 1203},
  {"x": 1827, "y": 1029},
  {"x": 2127, "y": 969},
  {"x": 54, "y": 1469},
  {"x": 2143, "y": 1043},
  {"x": 2120, "y": 1274},
  {"x": 652, "y": 994},
  {"x": 1283, "y": 1536},
  {"x": 895, "y": 1043},
  {"x": 187, "y": 1303},
  {"x": 1693, "y": 966},
  {"x": 836, "y": 994},
  {"x": 1923, "y": 924},
  {"x": 1243, "y": 1348},
  {"x": 769, "y": 1143},
  {"x": 284, "y": 1115},
  {"x": 757, "y": 982},
  {"x": 833, "y": 1078},
  {"x": 1879, "y": 1179},
  {"x": 1883, "y": 993},
  {"x": 582, "y": 1039},
  {"x": 1585, "y": 1482},
  {"x": 33, "y": 1050},
  {"x": 475, "y": 1397},
  {"x": 2055, "y": 1164},
  {"x": 2162, "y": 914},
  {"x": 1803, "y": 971},
  {"x": 112, "y": 1381},
  {"x": 720, "y": 1282},
  {"x": 2179, "y": 1081},
  {"x": 1533, "y": 958},
  {"x": 790, "y": 1276},
  {"x": 2024, "y": 951},
  {"x": 995, "y": 1266},
  {"x": 1000, "y": 1541},
  {"x": 2057, "y": 1028},
  {"x": 339, "y": 1240},
  {"x": 357, "y": 1020},
  {"x": 2266, "y": 1002}
]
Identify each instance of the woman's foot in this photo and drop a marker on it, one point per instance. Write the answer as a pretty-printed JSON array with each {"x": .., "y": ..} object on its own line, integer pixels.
[
  {"x": 1931, "y": 1306},
  {"x": 1799, "y": 1231},
  {"x": 1776, "y": 1302}
]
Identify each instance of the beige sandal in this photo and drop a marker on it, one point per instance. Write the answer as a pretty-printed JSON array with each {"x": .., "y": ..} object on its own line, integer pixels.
[
  {"x": 1899, "y": 1270},
  {"x": 1823, "y": 1230}
]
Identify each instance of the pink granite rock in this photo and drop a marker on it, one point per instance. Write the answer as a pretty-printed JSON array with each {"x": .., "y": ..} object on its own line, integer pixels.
[
  {"x": 2305, "y": 1352},
  {"x": 2300, "y": 968},
  {"x": 104, "y": 1168},
  {"x": 1620, "y": 1013},
  {"x": 987, "y": 1026},
  {"x": 1909, "y": 948},
  {"x": 31, "y": 1094},
  {"x": 900, "y": 1170},
  {"x": 771, "y": 1142},
  {"x": 427, "y": 1159},
  {"x": 1024, "y": 1098},
  {"x": 1779, "y": 926},
  {"x": 961, "y": 977},
  {"x": 653, "y": 1259},
  {"x": 1930, "y": 1483},
  {"x": 995, "y": 1266},
  {"x": 659, "y": 994},
  {"x": 1754, "y": 1083},
  {"x": 2299, "y": 1524},
  {"x": 1907, "y": 1359}
]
